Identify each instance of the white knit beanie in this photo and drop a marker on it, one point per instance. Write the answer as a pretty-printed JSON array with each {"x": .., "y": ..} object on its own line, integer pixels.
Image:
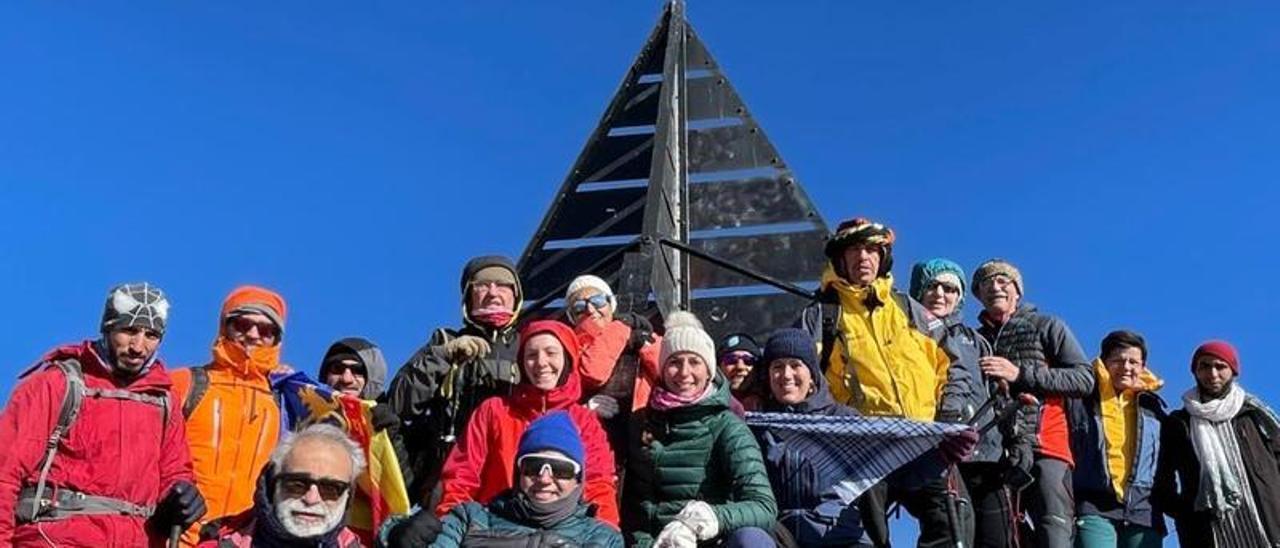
[
  {"x": 594, "y": 282},
  {"x": 685, "y": 334}
]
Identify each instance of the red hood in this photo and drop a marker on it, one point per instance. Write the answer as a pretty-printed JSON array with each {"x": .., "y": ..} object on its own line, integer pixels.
[
  {"x": 532, "y": 401},
  {"x": 155, "y": 378}
]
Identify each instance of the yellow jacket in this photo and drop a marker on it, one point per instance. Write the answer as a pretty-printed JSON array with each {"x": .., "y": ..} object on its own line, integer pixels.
[
  {"x": 898, "y": 370},
  {"x": 1120, "y": 423}
]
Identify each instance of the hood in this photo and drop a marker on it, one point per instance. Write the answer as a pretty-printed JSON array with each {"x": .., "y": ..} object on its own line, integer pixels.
[
  {"x": 370, "y": 357},
  {"x": 479, "y": 263},
  {"x": 533, "y": 400},
  {"x": 153, "y": 379},
  {"x": 261, "y": 361},
  {"x": 1150, "y": 382}
]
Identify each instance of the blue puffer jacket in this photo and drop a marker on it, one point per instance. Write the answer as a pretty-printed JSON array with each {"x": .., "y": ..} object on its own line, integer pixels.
[
  {"x": 473, "y": 524},
  {"x": 813, "y": 517},
  {"x": 1093, "y": 490}
]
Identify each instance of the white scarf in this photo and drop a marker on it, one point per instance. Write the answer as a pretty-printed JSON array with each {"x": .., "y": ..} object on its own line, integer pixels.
[{"x": 1215, "y": 445}]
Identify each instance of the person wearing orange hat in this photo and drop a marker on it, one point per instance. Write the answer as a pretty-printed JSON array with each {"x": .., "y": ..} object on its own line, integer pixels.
[
  {"x": 233, "y": 421},
  {"x": 1218, "y": 475}
]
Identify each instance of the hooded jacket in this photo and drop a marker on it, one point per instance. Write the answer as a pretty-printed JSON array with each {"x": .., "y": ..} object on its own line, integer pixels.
[
  {"x": 700, "y": 451},
  {"x": 375, "y": 366},
  {"x": 436, "y": 397},
  {"x": 1115, "y": 440},
  {"x": 259, "y": 527},
  {"x": 813, "y": 516},
  {"x": 472, "y": 524},
  {"x": 118, "y": 448},
  {"x": 480, "y": 466},
  {"x": 235, "y": 425},
  {"x": 878, "y": 362},
  {"x": 1051, "y": 366}
]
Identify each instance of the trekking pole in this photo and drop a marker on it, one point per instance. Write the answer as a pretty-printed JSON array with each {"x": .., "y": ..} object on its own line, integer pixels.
[
  {"x": 175, "y": 533},
  {"x": 953, "y": 511}
]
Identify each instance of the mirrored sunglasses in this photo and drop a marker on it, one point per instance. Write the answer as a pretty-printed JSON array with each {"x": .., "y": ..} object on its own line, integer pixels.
[
  {"x": 597, "y": 301},
  {"x": 733, "y": 357},
  {"x": 536, "y": 465}
]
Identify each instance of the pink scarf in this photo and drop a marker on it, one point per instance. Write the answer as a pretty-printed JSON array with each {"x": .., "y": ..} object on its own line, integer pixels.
[
  {"x": 495, "y": 319},
  {"x": 662, "y": 400}
]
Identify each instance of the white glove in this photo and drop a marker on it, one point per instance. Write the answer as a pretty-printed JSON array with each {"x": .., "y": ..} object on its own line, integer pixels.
[
  {"x": 676, "y": 535},
  {"x": 701, "y": 518},
  {"x": 603, "y": 406}
]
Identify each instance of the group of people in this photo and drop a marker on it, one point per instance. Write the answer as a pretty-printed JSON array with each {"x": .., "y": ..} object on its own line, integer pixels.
[{"x": 596, "y": 429}]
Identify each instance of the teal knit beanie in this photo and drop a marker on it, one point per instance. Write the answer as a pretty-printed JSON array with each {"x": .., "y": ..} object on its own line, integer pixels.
[{"x": 924, "y": 272}]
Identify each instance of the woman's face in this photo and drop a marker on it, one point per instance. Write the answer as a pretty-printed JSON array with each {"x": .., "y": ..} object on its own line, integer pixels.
[
  {"x": 685, "y": 374},
  {"x": 543, "y": 361},
  {"x": 789, "y": 380}
]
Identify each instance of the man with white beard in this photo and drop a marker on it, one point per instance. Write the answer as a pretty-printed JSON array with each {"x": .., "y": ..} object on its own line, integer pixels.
[{"x": 303, "y": 495}]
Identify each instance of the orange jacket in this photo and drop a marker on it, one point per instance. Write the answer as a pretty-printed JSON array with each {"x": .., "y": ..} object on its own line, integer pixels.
[{"x": 234, "y": 428}]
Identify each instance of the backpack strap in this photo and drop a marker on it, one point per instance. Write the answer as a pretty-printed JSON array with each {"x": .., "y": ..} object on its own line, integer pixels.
[
  {"x": 71, "y": 401},
  {"x": 199, "y": 386}
]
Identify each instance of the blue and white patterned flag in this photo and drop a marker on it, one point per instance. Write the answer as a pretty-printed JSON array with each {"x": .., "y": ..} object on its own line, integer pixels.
[{"x": 853, "y": 453}]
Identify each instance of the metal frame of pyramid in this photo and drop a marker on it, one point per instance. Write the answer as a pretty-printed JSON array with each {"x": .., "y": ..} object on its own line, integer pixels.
[{"x": 680, "y": 202}]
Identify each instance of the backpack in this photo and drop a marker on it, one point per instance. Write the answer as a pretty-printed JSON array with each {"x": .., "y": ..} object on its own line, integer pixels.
[{"x": 199, "y": 385}]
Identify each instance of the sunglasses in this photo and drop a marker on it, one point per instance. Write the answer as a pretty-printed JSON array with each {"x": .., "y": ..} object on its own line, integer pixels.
[
  {"x": 597, "y": 301},
  {"x": 949, "y": 288},
  {"x": 537, "y": 465},
  {"x": 266, "y": 330},
  {"x": 733, "y": 357},
  {"x": 297, "y": 485},
  {"x": 340, "y": 368}
]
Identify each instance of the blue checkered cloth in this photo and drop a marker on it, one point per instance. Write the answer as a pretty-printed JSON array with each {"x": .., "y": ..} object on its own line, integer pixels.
[{"x": 853, "y": 453}]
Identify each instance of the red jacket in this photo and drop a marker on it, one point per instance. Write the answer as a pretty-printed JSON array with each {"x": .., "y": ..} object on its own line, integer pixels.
[
  {"x": 116, "y": 448},
  {"x": 482, "y": 464},
  {"x": 601, "y": 348}
]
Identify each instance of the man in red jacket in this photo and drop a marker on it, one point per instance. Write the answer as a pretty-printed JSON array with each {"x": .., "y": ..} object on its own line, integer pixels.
[{"x": 95, "y": 447}]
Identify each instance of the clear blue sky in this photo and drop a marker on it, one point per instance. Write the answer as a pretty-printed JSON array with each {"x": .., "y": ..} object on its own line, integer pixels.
[{"x": 354, "y": 155}]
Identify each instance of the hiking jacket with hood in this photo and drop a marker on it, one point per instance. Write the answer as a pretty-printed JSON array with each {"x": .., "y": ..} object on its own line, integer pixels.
[
  {"x": 375, "y": 367},
  {"x": 1052, "y": 367},
  {"x": 1178, "y": 472},
  {"x": 495, "y": 525},
  {"x": 435, "y": 397},
  {"x": 1115, "y": 440},
  {"x": 878, "y": 357},
  {"x": 118, "y": 448},
  {"x": 258, "y": 526},
  {"x": 235, "y": 424},
  {"x": 700, "y": 451},
  {"x": 481, "y": 464},
  {"x": 812, "y": 515}
]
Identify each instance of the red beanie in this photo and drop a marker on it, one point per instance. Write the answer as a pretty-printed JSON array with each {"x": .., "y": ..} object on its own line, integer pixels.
[{"x": 1218, "y": 349}]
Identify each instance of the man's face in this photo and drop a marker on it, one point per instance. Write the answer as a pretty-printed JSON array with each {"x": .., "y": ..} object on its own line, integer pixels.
[
  {"x": 941, "y": 295},
  {"x": 1125, "y": 366},
  {"x": 491, "y": 297},
  {"x": 999, "y": 295},
  {"x": 736, "y": 366},
  {"x": 347, "y": 376},
  {"x": 251, "y": 330},
  {"x": 1213, "y": 375},
  {"x": 861, "y": 264},
  {"x": 543, "y": 361},
  {"x": 590, "y": 304},
  {"x": 312, "y": 488},
  {"x": 133, "y": 347},
  {"x": 547, "y": 476}
]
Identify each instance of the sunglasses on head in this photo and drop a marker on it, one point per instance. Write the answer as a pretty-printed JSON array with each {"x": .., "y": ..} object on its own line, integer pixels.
[
  {"x": 297, "y": 485},
  {"x": 536, "y": 465},
  {"x": 243, "y": 324},
  {"x": 597, "y": 301},
  {"x": 733, "y": 357}
]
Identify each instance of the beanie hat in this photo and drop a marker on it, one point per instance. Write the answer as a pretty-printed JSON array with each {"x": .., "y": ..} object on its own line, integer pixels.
[
  {"x": 135, "y": 305},
  {"x": 739, "y": 342},
  {"x": 554, "y": 431},
  {"x": 1218, "y": 349},
  {"x": 248, "y": 299},
  {"x": 860, "y": 230},
  {"x": 792, "y": 343},
  {"x": 922, "y": 273},
  {"x": 996, "y": 267},
  {"x": 685, "y": 334},
  {"x": 588, "y": 281},
  {"x": 490, "y": 268}
]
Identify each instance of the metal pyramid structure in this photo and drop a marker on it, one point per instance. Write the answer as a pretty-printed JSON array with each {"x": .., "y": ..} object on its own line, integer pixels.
[{"x": 680, "y": 201}]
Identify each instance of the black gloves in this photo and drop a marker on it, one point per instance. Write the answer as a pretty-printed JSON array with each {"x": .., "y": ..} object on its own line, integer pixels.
[
  {"x": 181, "y": 506},
  {"x": 641, "y": 329},
  {"x": 419, "y": 530},
  {"x": 384, "y": 418}
]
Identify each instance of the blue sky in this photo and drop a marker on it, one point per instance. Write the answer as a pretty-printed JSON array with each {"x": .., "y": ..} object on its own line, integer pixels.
[{"x": 353, "y": 156}]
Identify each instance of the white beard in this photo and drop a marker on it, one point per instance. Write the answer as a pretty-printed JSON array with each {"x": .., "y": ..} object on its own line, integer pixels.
[{"x": 333, "y": 514}]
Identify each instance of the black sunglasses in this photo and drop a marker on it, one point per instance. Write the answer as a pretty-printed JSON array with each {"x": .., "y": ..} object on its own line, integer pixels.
[
  {"x": 338, "y": 368},
  {"x": 535, "y": 465},
  {"x": 598, "y": 301},
  {"x": 296, "y": 486}
]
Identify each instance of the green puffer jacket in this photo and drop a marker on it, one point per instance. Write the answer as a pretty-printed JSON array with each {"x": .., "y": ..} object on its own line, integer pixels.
[
  {"x": 699, "y": 452},
  {"x": 472, "y": 524}
]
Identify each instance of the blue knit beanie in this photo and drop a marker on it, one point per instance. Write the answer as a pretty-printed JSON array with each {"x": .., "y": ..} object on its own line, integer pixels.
[
  {"x": 924, "y": 272},
  {"x": 554, "y": 431},
  {"x": 791, "y": 343}
]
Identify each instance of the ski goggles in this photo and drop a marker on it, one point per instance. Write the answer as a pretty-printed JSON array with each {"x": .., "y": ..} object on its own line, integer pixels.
[
  {"x": 297, "y": 485},
  {"x": 597, "y": 301},
  {"x": 537, "y": 465}
]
